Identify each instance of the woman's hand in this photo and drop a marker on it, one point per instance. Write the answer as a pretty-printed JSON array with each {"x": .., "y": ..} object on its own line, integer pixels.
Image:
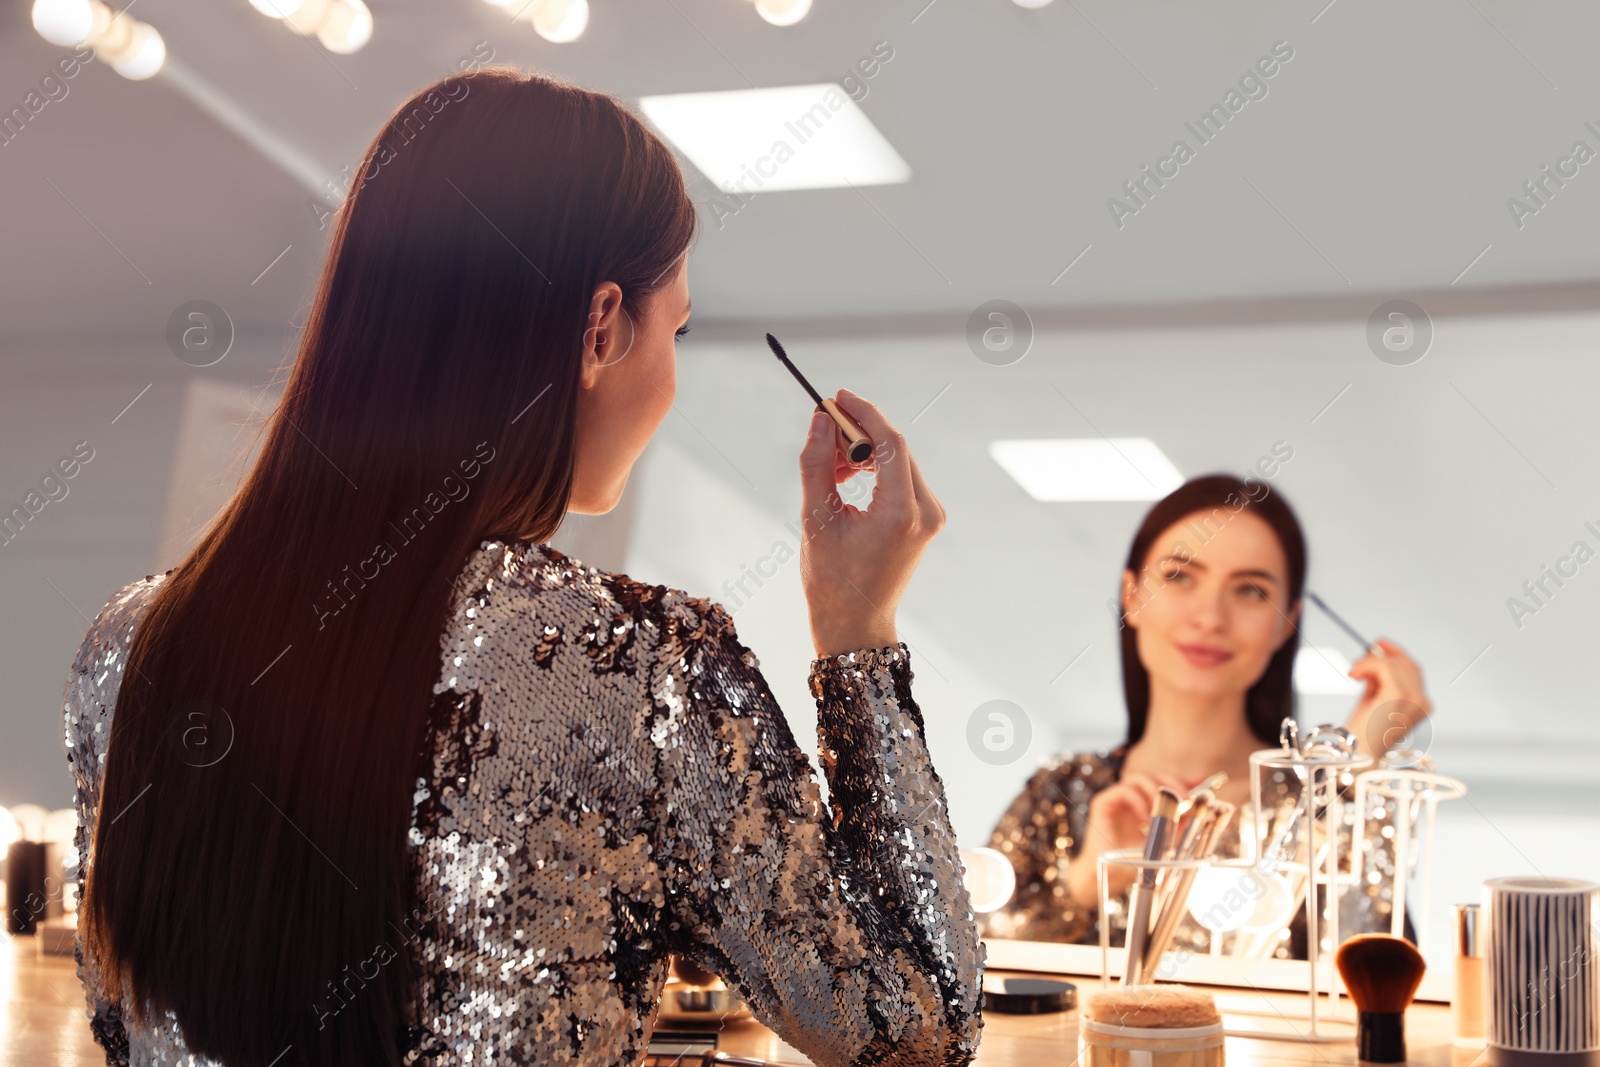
[
  {"x": 1395, "y": 700},
  {"x": 854, "y": 564},
  {"x": 1119, "y": 817}
]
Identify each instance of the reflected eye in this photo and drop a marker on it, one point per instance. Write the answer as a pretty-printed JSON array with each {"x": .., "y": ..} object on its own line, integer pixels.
[
  {"x": 1255, "y": 591},
  {"x": 683, "y": 331}
]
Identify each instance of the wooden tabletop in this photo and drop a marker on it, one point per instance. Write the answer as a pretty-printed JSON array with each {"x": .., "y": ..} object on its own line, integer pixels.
[
  {"x": 1034, "y": 1040},
  {"x": 43, "y": 1021}
]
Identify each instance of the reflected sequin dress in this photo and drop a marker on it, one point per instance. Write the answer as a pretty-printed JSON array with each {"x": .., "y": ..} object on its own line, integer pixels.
[
  {"x": 608, "y": 781},
  {"x": 1042, "y": 831}
]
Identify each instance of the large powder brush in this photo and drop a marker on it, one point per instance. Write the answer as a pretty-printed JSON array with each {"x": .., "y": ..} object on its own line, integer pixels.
[{"x": 1382, "y": 973}]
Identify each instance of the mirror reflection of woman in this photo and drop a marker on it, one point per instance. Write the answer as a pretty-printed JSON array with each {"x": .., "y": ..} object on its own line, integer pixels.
[{"x": 1210, "y": 611}]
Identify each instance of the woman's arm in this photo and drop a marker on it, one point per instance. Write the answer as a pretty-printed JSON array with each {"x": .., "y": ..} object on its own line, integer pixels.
[
  {"x": 847, "y": 929},
  {"x": 90, "y": 698}
]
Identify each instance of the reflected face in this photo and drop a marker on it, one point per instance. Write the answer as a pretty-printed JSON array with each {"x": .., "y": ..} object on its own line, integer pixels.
[
  {"x": 627, "y": 386},
  {"x": 1209, "y": 616}
]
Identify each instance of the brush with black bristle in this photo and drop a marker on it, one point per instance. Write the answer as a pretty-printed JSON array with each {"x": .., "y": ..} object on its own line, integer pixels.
[
  {"x": 857, "y": 446},
  {"x": 1382, "y": 973}
]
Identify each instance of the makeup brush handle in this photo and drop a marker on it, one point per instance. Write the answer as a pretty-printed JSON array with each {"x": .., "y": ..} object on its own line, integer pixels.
[{"x": 857, "y": 446}]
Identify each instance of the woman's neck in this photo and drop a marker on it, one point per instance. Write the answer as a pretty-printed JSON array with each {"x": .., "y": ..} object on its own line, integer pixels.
[{"x": 1191, "y": 735}]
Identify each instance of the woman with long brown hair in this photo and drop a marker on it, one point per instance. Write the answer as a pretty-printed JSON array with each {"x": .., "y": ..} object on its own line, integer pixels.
[
  {"x": 375, "y": 775},
  {"x": 1209, "y": 607}
]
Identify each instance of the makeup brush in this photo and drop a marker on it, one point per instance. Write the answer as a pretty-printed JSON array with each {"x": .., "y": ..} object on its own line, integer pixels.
[
  {"x": 857, "y": 446},
  {"x": 1382, "y": 973},
  {"x": 1210, "y": 818},
  {"x": 1162, "y": 814}
]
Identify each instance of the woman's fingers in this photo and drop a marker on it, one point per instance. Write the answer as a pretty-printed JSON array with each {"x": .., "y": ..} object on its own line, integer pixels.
[
  {"x": 817, "y": 463},
  {"x": 892, "y": 458}
]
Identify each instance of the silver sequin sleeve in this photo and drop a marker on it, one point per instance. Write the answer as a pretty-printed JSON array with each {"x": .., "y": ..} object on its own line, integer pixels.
[
  {"x": 90, "y": 696},
  {"x": 847, "y": 928}
]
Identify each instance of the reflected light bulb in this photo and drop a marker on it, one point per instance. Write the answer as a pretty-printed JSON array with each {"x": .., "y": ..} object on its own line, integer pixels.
[
  {"x": 9, "y": 830},
  {"x": 990, "y": 878},
  {"x": 146, "y": 55},
  {"x": 347, "y": 28},
  {"x": 561, "y": 21},
  {"x": 61, "y": 826},
  {"x": 783, "y": 12},
  {"x": 63, "y": 22},
  {"x": 30, "y": 821},
  {"x": 278, "y": 9},
  {"x": 1220, "y": 899}
]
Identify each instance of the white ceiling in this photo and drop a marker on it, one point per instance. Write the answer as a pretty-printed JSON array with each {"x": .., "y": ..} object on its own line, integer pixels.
[{"x": 1379, "y": 162}]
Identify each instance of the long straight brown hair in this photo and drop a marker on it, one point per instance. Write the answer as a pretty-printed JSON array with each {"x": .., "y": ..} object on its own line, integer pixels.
[
  {"x": 251, "y": 852},
  {"x": 1271, "y": 699}
]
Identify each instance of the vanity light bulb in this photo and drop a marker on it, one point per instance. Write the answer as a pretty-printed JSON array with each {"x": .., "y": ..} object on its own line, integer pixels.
[
  {"x": 561, "y": 21},
  {"x": 30, "y": 821},
  {"x": 783, "y": 12},
  {"x": 61, "y": 826},
  {"x": 144, "y": 56},
  {"x": 990, "y": 879},
  {"x": 347, "y": 27},
  {"x": 9, "y": 830},
  {"x": 63, "y": 22},
  {"x": 277, "y": 9},
  {"x": 1219, "y": 899}
]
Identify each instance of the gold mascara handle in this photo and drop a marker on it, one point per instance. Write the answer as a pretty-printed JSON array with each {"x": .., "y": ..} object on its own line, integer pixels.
[{"x": 857, "y": 446}]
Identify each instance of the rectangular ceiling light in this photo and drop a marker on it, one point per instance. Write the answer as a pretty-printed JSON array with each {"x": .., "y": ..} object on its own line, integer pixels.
[
  {"x": 1324, "y": 671},
  {"x": 1088, "y": 468},
  {"x": 792, "y": 137}
]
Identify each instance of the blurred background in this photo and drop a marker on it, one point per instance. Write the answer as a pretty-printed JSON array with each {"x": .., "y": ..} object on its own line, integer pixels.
[{"x": 1378, "y": 260}]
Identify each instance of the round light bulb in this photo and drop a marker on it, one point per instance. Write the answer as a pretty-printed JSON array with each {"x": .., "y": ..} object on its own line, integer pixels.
[
  {"x": 145, "y": 56},
  {"x": 347, "y": 28},
  {"x": 308, "y": 16},
  {"x": 990, "y": 878},
  {"x": 61, "y": 826},
  {"x": 1217, "y": 899},
  {"x": 30, "y": 821},
  {"x": 278, "y": 9},
  {"x": 9, "y": 830},
  {"x": 783, "y": 12},
  {"x": 1274, "y": 907},
  {"x": 561, "y": 21},
  {"x": 63, "y": 22}
]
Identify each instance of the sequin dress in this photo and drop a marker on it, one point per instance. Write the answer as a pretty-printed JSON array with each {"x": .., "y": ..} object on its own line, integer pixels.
[
  {"x": 613, "y": 783},
  {"x": 1042, "y": 832}
]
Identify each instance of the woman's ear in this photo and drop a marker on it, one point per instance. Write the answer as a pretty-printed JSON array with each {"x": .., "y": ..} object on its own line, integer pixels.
[
  {"x": 1292, "y": 623},
  {"x": 1131, "y": 600},
  {"x": 601, "y": 333}
]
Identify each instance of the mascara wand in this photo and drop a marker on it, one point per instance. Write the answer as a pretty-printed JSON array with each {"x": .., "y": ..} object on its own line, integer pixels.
[
  {"x": 1346, "y": 627},
  {"x": 857, "y": 446}
]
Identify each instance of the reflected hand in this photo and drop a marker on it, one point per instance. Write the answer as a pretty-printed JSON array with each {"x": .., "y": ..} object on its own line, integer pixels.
[
  {"x": 1119, "y": 817},
  {"x": 1395, "y": 700}
]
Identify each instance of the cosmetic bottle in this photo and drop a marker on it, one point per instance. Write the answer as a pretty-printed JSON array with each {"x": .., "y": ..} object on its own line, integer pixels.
[{"x": 1467, "y": 1016}]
